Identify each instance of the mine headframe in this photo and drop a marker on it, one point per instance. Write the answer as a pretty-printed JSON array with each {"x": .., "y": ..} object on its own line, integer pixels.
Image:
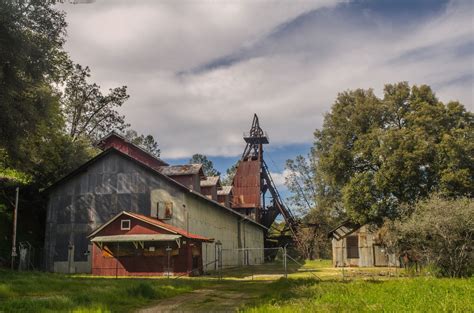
[{"x": 252, "y": 181}]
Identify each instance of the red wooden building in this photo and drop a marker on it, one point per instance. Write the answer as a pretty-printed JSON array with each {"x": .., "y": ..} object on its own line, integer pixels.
[{"x": 133, "y": 244}]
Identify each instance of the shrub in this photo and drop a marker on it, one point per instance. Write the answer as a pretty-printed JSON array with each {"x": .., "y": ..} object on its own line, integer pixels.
[{"x": 440, "y": 232}]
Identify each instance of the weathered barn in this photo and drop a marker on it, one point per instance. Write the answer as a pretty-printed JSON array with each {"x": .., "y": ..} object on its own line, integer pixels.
[
  {"x": 359, "y": 246},
  {"x": 125, "y": 178}
]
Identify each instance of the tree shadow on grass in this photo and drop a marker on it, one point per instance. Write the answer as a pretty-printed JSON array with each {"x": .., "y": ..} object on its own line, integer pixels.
[{"x": 252, "y": 271}]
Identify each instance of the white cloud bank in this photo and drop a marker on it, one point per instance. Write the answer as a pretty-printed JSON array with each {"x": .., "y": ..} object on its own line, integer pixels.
[
  {"x": 286, "y": 61},
  {"x": 280, "y": 178}
]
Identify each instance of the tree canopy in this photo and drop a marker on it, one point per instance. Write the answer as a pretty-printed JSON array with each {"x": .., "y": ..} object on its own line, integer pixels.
[
  {"x": 87, "y": 111},
  {"x": 32, "y": 34},
  {"x": 146, "y": 142},
  {"x": 207, "y": 165},
  {"x": 375, "y": 155},
  {"x": 51, "y": 113}
]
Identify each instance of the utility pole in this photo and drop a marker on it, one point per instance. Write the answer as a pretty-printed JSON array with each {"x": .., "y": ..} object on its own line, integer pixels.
[{"x": 15, "y": 213}]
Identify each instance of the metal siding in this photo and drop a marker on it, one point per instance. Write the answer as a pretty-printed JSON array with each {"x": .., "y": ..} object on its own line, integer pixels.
[
  {"x": 66, "y": 201},
  {"x": 247, "y": 185}
]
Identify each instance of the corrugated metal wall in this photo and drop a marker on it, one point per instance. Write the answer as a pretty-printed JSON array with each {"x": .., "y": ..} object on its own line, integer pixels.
[
  {"x": 114, "y": 184},
  {"x": 247, "y": 185}
]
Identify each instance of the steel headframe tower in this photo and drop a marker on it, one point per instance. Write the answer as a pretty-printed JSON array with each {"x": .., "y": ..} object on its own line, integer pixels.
[{"x": 252, "y": 180}]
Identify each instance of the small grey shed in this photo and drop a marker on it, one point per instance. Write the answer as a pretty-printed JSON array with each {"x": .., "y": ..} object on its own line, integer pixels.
[{"x": 355, "y": 245}]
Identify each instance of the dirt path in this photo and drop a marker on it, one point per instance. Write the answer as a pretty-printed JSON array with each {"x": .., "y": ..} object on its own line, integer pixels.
[{"x": 204, "y": 300}]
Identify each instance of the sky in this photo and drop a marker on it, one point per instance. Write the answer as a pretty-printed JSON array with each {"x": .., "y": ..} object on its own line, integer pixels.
[{"x": 197, "y": 70}]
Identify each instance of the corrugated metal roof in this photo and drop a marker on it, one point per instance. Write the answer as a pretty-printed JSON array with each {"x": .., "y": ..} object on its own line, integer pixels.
[
  {"x": 176, "y": 170},
  {"x": 210, "y": 181},
  {"x": 224, "y": 191},
  {"x": 110, "y": 150},
  {"x": 139, "y": 237},
  {"x": 154, "y": 222}
]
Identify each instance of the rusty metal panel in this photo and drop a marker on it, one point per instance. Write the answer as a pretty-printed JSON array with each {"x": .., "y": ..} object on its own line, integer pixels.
[{"x": 246, "y": 187}]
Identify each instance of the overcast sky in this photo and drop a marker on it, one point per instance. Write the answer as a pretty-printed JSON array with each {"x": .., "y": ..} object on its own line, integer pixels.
[{"x": 197, "y": 70}]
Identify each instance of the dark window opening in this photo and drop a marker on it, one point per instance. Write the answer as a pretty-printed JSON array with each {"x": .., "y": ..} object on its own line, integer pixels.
[
  {"x": 125, "y": 225},
  {"x": 352, "y": 243}
]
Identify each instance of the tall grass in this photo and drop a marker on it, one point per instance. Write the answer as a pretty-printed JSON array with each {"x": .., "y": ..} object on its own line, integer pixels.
[
  {"x": 46, "y": 292},
  {"x": 398, "y": 295}
]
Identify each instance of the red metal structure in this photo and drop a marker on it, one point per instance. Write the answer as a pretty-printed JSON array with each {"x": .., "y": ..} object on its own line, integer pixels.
[
  {"x": 120, "y": 143},
  {"x": 252, "y": 180}
]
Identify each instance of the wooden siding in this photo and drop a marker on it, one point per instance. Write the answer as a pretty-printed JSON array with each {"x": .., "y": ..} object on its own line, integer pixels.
[
  {"x": 142, "y": 262},
  {"x": 369, "y": 253}
]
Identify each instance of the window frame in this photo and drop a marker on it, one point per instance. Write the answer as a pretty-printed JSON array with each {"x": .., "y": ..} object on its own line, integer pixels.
[{"x": 125, "y": 228}]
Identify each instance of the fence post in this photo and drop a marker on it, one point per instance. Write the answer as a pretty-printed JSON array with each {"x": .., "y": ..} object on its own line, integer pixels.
[{"x": 285, "y": 261}]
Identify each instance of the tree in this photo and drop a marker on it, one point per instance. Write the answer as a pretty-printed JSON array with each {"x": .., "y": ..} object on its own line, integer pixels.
[
  {"x": 439, "y": 232},
  {"x": 146, "y": 142},
  {"x": 88, "y": 112},
  {"x": 207, "y": 165},
  {"x": 376, "y": 155},
  {"x": 31, "y": 57},
  {"x": 316, "y": 219},
  {"x": 228, "y": 179},
  {"x": 300, "y": 182}
]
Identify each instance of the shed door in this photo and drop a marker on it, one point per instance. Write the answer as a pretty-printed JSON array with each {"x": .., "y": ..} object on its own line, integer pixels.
[
  {"x": 380, "y": 258},
  {"x": 352, "y": 243}
]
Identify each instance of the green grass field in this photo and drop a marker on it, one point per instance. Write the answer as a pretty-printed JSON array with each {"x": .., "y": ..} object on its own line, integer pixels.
[{"x": 254, "y": 289}]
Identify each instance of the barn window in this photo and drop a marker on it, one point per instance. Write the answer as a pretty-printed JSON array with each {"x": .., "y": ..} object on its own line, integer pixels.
[
  {"x": 164, "y": 210},
  {"x": 125, "y": 224},
  {"x": 352, "y": 247}
]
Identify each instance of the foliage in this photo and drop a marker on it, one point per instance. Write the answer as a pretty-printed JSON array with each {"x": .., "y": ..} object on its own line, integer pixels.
[
  {"x": 31, "y": 56},
  {"x": 228, "y": 178},
  {"x": 375, "y": 155},
  {"x": 51, "y": 113},
  {"x": 439, "y": 232},
  {"x": 87, "y": 111},
  {"x": 301, "y": 181},
  {"x": 10, "y": 176},
  {"x": 207, "y": 165},
  {"x": 146, "y": 142}
]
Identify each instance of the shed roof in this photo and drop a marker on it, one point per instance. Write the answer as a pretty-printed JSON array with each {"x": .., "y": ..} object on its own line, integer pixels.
[
  {"x": 210, "y": 181},
  {"x": 154, "y": 222},
  {"x": 226, "y": 190},
  {"x": 186, "y": 169},
  {"x": 343, "y": 230},
  {"x": 136, "y": 237}
]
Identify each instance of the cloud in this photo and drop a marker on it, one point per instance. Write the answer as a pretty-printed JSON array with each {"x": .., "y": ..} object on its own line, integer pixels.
[
  {"x": 280, "y": 178},
  {"x": 198, "y": 70}
]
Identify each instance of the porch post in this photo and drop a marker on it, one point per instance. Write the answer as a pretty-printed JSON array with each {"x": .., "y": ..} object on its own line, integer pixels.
[{"x": 189, "y": 256}]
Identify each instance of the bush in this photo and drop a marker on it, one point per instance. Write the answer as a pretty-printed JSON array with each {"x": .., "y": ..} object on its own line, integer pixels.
[{"x": 440, "y": 233}]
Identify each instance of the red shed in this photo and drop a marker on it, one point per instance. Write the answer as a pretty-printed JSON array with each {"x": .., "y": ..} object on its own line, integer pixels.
[{"x": 133, "y": 244}]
